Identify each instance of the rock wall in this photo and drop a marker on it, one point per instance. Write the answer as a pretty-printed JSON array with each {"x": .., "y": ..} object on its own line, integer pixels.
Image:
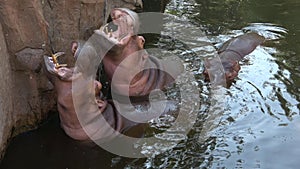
[{"x": 6, "y": 105}]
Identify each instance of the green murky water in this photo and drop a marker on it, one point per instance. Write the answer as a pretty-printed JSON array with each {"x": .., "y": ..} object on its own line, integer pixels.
[
  {"x": 253, "y": 124},
  {"x": 259, "y": 124}
]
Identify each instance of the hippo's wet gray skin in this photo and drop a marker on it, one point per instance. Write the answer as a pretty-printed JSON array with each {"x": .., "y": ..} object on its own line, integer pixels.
[{"x": 231, "y": 52}]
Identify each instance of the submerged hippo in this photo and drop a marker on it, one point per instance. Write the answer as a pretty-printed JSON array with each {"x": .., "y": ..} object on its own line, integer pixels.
[{"x": 233, "y": 51}]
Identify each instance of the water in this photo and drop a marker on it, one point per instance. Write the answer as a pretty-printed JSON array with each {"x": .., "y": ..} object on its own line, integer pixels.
[
  {"x": 259, "y": 124},
  {"x": 253, "y": 124}
]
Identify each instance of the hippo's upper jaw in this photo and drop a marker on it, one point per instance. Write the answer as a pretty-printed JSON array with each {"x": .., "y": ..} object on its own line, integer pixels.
[{"x": 125, "y": 24}]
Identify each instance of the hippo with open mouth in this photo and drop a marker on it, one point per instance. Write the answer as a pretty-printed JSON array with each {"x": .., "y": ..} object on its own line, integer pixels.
[
  {"x": 62, "y": 79},
  {"x": 127, "y": 65}
]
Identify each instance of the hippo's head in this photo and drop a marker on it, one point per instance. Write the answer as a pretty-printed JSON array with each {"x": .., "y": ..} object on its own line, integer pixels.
[
  {"x": 119, "y": 39},
  {"x": 231, "y": 52},
  {"x": 123, "y": 28},
  {"x": 231, "y": 68}
]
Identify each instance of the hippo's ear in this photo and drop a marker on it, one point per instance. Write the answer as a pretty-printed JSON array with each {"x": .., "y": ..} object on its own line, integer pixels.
[
  {"x": 74, "y": 47},
  {"x": 141, "y": 42}
]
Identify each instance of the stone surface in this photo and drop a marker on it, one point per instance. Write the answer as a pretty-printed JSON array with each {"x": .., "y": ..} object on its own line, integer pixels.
[
  {"x": 29, "y": 59},
  {"x": 6, "y": 104},
  {"x": 23, "y": 24},
  {"x": 71, "y": 20}
]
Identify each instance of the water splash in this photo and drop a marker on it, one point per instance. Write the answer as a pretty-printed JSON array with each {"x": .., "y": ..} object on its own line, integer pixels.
[{"x": 268, "y": 30}]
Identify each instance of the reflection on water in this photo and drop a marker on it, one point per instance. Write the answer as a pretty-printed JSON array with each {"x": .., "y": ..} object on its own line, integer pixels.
[
  {"x": 259, "y": 124},
  {"x": 260, "y": 120},
  {"x": 253, "y": 124}
]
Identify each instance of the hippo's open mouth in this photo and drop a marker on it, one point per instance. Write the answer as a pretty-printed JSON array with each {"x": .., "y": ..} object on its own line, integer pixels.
[{"x": 123, "y": 25}]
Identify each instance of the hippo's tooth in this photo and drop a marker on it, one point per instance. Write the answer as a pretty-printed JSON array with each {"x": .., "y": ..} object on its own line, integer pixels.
[
  {"x": 106, "y": 30},
  {"x": 110, "y": 33}
]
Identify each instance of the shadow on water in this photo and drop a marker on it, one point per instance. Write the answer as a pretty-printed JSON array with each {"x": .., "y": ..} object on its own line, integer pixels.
[
  {"x": 259, "y": 122},
  {"x": 48, "y": 147}
]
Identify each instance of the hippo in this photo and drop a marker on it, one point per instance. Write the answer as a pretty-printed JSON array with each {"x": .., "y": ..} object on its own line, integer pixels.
[
  {"x": 62, "y": 78},
  {"x": 130, "y": 59},
  {"x": 99, "y": 110},
  {"x": 233, "y": 51}
]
